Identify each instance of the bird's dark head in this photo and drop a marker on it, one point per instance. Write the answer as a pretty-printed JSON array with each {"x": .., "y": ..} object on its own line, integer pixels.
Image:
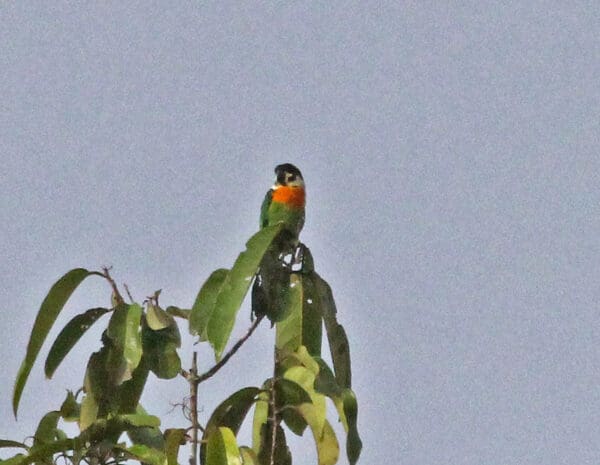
[{"x": 288, "y": 175}]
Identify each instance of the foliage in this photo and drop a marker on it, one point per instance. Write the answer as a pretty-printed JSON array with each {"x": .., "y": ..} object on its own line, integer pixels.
[{"x": 143, "y": 338}]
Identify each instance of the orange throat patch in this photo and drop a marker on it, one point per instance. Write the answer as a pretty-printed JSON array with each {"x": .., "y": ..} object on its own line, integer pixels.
[{"x": 292, "y": 196}]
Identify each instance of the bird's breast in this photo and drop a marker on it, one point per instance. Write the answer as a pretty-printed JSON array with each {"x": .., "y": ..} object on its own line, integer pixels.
[{"x": 292, "y": 196}]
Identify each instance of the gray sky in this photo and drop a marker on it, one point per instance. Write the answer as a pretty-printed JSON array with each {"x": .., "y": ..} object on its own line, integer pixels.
[{"x": 451, "y": 154}]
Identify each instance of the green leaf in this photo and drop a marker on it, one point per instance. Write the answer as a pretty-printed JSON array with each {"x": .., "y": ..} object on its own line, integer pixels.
[
  {"x": 353, "y": 442},
  {"x": 45, "y": 451},
  {"x": 149, "y": 435},
  {"x": 289, "y": 330},
  {"x": 15, "y": 460},
  {"x": 261, "y": 415},
  {"x": 70, "y": 408},
  {"x": 235, "y": 286},
  {"x": 9, "y": 443},
  {"x": 182, "y": 313},
  {"x": 69, "y": 336},
  {"x": 160, "y": 350},
  {"x": 124, "y": 332},
  {"x": 338, "y": 342},
  {"x": 206, "y": 300},
  {"x": 271, "y": 284},
  {"x": 145, "y": 454},
  {"x": 174, "y": 439},
  {"x": 230, "y": 413},
  {"x": 222, "y": 448},
  {"x": 157, "y": 318},
  {"x": 282, "y": 455},
  {"x": 95, "y": 384},
  {"x": 139, "y": 419},
  {"x": 51, "y": 306},
  {"x": 312, "y": 317},
  {"x": 47, "y": 428},
  {"x": 290, "y": 394},
  {"x": 249, "y": 457}
]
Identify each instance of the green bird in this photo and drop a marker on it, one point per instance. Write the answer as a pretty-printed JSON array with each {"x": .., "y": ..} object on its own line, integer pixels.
[{"x": 284, "y": 203}]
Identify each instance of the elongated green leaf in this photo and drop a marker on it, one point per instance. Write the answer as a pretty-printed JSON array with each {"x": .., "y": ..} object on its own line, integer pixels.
[
  {"x": 222, "y": 448},
  {"x": 230, "y": 413},
  {"x": 282, "y": 455},
  {"x": 205, "y": 303},
  {"x": 9, "y": 443},
  {"x": 289, "y": 394},
  {"x": 51, "y": 306},
  {"x": 124, "y": 332},
  {"x": 69, "y": 336},
  {"x": 289, "y": 330},
  {"x": 235, "y": 286},
  {"x": 95, "y": 385},
  {"x": 312, "y": 317},
  {"x": 145, "y": 454},
  {"x": 353, "y": 442},
  {"x": 261, "y": 415},
  {"x": 336, "y": 335},
  {"x": 174, "y": 439}
]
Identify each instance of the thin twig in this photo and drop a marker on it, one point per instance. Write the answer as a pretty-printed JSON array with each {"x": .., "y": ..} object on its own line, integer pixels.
[
  {"x": 112, "y": 283},
  {"x": 233, "y": 350},
  {"x": 128, "y": 293},
  {"x": 272, "y": 401},
  {"x": 193, "y": 380}
]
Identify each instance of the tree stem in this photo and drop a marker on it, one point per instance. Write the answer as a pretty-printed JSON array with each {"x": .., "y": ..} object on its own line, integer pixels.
[{"x": 193, "y": 380}]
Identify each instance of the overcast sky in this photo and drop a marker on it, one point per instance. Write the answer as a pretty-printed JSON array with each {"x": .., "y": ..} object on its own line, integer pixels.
[{"x": 451, "y": 155}]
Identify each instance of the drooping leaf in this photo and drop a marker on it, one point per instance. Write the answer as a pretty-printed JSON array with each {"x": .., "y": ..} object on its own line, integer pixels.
[
  {"x": 312, "y": 317},
  {"x": 174, "y": 439},
  {"x": 282, "y": 454},
  {"x": 289, "y": 394},
  {"x": 272, "y": 283},
  {"x": 289, "y": 330},
  {"x": 51, "y": 306},
  {"x": 69, "y": 336},
  {"x": 44, "y": 452},
  {"x": 95, "y": 386},
  {"x": 129, "y": 392},
  {"x": 125, "y": 335},
  {"x": 222, "y": 448},
  {"x": 145, "y": 454},
  {"x": 205, "y": 302},
  {"x": 160, "y": 350},
  {"x": 261, "y": 416},
  {"x": 15, "y": 444},
  {"x": 338, "y": 342},
  {"x": 235, "y": 286},
  {"x": 353, "y": 442},
  {"x": 230, "y": 413},
  {"x": 157, "y": 318}
]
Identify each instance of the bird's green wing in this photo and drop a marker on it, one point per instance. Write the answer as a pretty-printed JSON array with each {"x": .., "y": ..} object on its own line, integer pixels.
[{"x": 264, "y": 209}]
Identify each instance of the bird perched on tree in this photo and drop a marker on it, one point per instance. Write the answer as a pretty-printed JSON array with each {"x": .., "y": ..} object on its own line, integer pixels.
[{"x": 284, "y": 203}]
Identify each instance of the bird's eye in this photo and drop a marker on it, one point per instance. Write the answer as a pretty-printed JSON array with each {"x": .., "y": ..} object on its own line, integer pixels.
[{"x": 291, "y": 177}]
